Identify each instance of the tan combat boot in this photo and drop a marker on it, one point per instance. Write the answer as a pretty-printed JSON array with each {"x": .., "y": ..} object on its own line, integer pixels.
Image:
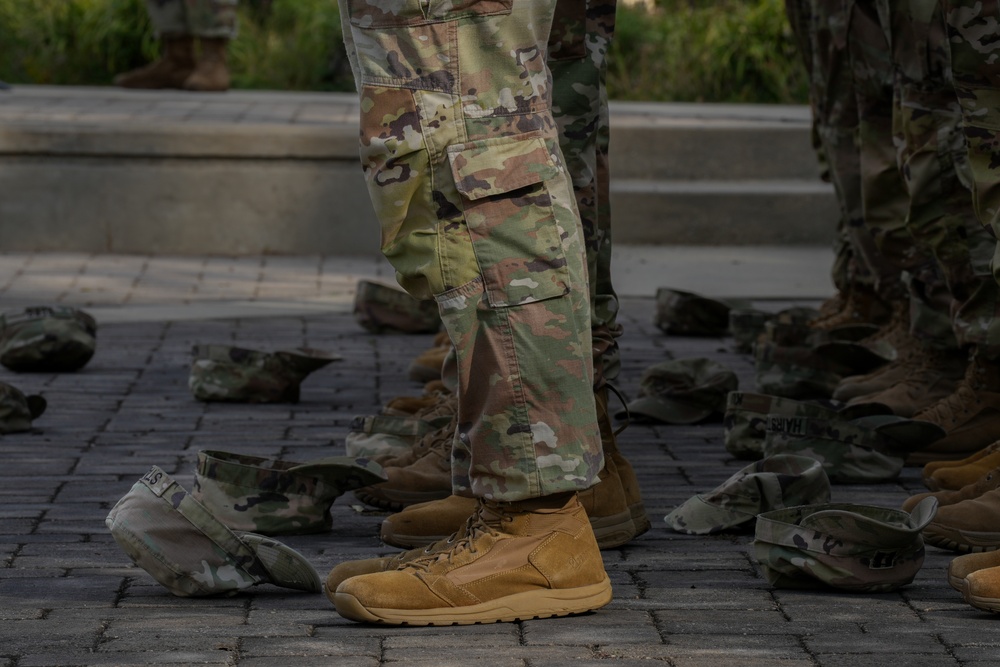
[
  {"x": 425, "y": 476},
  {"x": 931, "y": 469},
  {"x": 621, "y": 469},
  {"x": 958, "y": 477},
  {"x": 982, "y": 589},
  {"x": 931, "y": 376},
  {"x": 970, "y": 416},
  {"x": 962, "y": 566},
  {"x": 861, "y": 306},
  {"x": 908, "y": 354},
  {"x": 530, "y": 559},
  {"x": 969, "y": 525},
  {"x": 211, "y": 74},
  {"x": 427, "y": 365},
  {"x": 404, "y": 406},
  {"x": 170, "y": 71},
  {"x": 986, "y": 482}
]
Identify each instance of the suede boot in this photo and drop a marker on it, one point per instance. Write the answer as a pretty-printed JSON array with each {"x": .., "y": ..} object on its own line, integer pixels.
[
  {"x": 986, "y": 482},
  {"x": 970, "y": 416},
  {"x": 982, "y": 589},
  {"x": 211, "y": 74},
  {"x": 932, "y": 376},
  {"x": 405, "y": 406},
  {"x": 426, "y": 366},
  {"x": 962, "y": 566},
  {"x": 861, "y": 306},
  {"x": 530, "y": 559},
  {"x": 170, "y": 71},
  {"x": 907, "y": 359},
  {"x": 969, "y": 525},
  {"x": 622, "y": 470},
  {"x": 933, "y": 481},
  {"x": 426, "y": 478}
]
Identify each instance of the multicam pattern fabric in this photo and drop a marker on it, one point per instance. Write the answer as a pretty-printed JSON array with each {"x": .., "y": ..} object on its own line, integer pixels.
[
  {"x": 795, "y": 372},
  {"x": 47, "y": 339},
  {"x": 850, "y": 547},
  {"x": 227, "y": 373},
  {"x": 689, "y": 314},
  {"x": 198, "y": 18},
  {"x": 388, "y": 435},
  {"x": 17, "y": 411},
  {"x": 379, "y": 309},
  {"x": 745, "y": 325},
  {"x": 172, "y": 536},
  {"x": 772, "y": 483},
  {"x": 477, "y": 209},
  {"x": 277, "y": 497},
  {"x": 682, "y": 391}
]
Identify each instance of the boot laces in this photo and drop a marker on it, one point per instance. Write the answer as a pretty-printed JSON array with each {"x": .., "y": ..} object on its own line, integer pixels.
[{"x": 485, "y": 521}]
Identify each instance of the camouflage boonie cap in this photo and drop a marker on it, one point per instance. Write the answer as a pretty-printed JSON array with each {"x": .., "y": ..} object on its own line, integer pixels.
[
  {"x": 276, "y": 497},
  {"x": 795, "y": 372},
  {"x": 865, "y": 449},
  {"x": 858, "y": 548},
  {"x": 745, "y": 420},
  {"x": 388, "y": 435},
  {"x": 47, "y": 339},
  {"x": 174, "y": 538},
  {"x": 689, "y": 314},
  {"x": 17, "y": 411},
  {"x": 771, "y": 483},
  {"x": 745, "y": 325},
  {"x": 236, "y": 374},
  {"x": 380, "y": 308},
  {"x": 682, "y": 391}
]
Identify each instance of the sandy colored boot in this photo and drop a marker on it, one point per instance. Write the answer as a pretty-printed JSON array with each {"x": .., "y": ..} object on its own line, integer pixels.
[
  {"x": 618, "y": 467},
  {"x": 969, "y": 525},
  {"x": 427, "y": 478},
  {"x": 425, "y": 523},
  {"x": 958, "y": 477},
  {"x": 861, "y": 306},
  {"x": 170, "y": 71},
  {"x": 933, "y": 467},
  {"x": 970, "y": 416},
  {"x": 982, "y": 589},
  {"x": 883, "y": 377},
  {"x": 530, "y": 559},
  {"x": 962, "y": 566},
  {"x": 933, "y": 376},
  {"x": 986, "y": 482},
  {"x": 211, "y": 74},
  {"x": 427, "y": 365}
]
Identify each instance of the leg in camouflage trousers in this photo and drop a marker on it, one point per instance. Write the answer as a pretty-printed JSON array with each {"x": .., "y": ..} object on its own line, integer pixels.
[{"x": 462, "y": 157}]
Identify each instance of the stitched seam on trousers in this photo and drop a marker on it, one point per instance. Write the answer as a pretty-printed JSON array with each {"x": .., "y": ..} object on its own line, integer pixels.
[{"x": 534, "y": 484}]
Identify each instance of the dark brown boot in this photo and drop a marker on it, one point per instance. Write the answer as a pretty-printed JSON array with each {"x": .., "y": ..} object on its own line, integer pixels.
[
  {"x": 170, "y": 71},
  {"x": 212, "y": 72}
]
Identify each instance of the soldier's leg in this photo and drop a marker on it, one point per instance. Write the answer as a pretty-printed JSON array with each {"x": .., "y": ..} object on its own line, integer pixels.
[
  {"x": 169, "y": 19},
  {"x": 213, "y": 23}
]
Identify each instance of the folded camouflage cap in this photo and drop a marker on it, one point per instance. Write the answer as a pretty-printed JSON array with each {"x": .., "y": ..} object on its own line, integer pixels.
[
  {"x": 681, "y": 391},
  {"x": 236, "y": 374},
  {"x": 859, "y": 548},
  {"x": 778, "y": 481},
  {"x": 51, "y": 339},
  {"x": 174, "y": 538},
  {"x": 380, "y": 308},
  {"x": 274, "y": 496},
  {"x": 17, "y": 411},
  {"x": 388, "y": 435},
  {"x": 865, "y": 449},
  {"x": 689, "y": 314},
  {"x": 795, "y": 372},
  {"x": 745, "y": 420},
  {"x": 745, "y": 325}
]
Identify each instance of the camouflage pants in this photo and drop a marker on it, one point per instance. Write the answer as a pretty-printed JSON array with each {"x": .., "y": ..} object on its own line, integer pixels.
[
  {"x": 462, "y": 156},
  {"x": 972, "y": 32},
  {"x": 198, "y": 18},
  {"x": 928, "y": 130}
]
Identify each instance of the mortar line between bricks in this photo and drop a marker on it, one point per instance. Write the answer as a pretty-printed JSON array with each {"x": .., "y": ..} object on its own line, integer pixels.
[
  {"x": 949, "y": 649},
  {"x": 143, "y": 270},
  {"x": 805, "y": 649}
]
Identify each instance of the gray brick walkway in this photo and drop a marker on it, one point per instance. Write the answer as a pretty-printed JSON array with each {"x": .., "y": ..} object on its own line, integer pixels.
[{"x": 68, "y": 595}]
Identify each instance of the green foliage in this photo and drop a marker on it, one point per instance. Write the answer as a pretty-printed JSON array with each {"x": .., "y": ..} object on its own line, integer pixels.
[
  {"x": 679, "y": 50},
  {"x": 705, "y": 51}
]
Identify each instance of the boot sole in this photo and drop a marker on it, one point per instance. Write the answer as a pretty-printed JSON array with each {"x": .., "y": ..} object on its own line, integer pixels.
[
  {"x": 546, "y": 603},
  {"x": 980, "y": 602},
  {"x": 962, "y": 541},
  {"x": 958, "y": 583}
]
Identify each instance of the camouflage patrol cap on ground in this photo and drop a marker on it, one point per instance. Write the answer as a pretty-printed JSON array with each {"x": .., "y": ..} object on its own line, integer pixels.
[
  {"x": 850, "y": 547},
  {"x": 745, "y": 325},
  {"x": 388, "y": 435},
  {"x": 795, "y": 372},
  {"x": 689, "y": 314},
  {"x": 17, "y": 411},
  {"x": 380, "y": 308},
  {"x": 682, "y": 391},
  {"x": 173, "y": 537},
  {"x": 864, "y": 449},
  {"x": 276, "y": 497},
  {"x": 745, "y": 420},
  {"x": 228, "y": 373},
  {"x": 772, "y": 483},
  {"x": 47, "y": 339}
]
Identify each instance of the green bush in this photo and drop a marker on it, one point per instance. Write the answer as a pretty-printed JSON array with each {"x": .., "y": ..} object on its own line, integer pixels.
[{"x": 678, "y": 50}]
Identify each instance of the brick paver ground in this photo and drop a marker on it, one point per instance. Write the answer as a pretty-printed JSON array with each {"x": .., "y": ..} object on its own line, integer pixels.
[{"x": 69, "y": 596}]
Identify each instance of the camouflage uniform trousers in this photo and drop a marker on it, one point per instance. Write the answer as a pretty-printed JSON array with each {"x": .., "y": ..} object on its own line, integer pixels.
[
  {"x": 197, "y": 18},
  {"x": 932, "y": 156},
  {"x": 477, "y": 209},
  {"x": 972, "y": 32}
]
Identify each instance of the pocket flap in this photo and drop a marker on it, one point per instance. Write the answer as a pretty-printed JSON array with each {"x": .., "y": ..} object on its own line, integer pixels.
[{"x": 495, "y": 166}]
